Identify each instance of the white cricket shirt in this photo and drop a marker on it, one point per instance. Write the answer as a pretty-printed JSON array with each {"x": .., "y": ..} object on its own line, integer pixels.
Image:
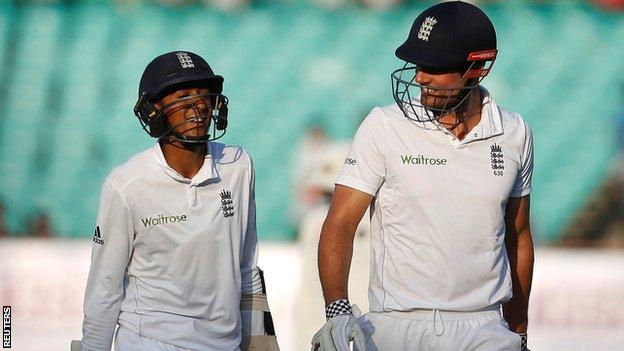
[
  {"x": 437, "y": 217},
  {"x": 172, "y": 255}
]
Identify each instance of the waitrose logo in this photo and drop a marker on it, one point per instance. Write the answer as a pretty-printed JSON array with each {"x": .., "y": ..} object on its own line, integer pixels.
[
  {"x": 423, "y": 160},
  {"x": 163, "y": 219}
]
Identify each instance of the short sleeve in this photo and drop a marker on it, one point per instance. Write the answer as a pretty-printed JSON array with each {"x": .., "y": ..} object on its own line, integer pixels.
[
  {"x": 364, "y": 167},
  {"x": 523, "y": 184}
]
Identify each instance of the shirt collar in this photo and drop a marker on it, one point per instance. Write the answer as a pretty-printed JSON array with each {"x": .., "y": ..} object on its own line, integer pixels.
[
  {"x": 491, "y": 123},
  {"x": 206, "y": 173}
]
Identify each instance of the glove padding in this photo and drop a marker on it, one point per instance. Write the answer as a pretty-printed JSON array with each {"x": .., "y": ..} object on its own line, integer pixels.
[
  {"x": 76, "y": 345},
  {"x": 336, "y": 334}
]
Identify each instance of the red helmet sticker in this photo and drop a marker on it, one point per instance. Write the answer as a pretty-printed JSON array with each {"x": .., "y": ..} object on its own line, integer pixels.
[{"x": 485, "y": 55}]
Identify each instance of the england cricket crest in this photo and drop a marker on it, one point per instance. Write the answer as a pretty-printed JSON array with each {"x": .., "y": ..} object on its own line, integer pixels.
[
  {"x": 185, "y": 59},
  {"x": 497, "y": 159},
  {"x": 227, "y": 205},
  {"x": 426, "y": 28}
]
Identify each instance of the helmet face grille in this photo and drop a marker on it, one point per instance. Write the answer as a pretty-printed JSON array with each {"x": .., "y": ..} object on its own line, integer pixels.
[
  {"x": 171, "y": 72},
  {"x": 407, "y": 93},
  {"x": 211, "y": 107},
  {"x": 452, "y": 36}
]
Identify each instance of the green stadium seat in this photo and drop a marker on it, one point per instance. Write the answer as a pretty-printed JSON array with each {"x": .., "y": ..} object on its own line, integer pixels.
[{"x": 283, "y": 65}]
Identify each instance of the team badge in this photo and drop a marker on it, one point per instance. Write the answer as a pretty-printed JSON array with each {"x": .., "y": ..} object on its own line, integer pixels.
[
  {"x": 227, "y": 205},
  {"x": 426, "y": 28},
  {"x": 185, "y": 60},
  {"x": 497, "y": 159}
]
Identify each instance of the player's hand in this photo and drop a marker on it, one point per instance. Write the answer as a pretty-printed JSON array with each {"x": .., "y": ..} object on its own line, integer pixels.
[
  {"x": 336, "y": 334},
  {"x": 340, "y": 329},
  {"x": 523, "y": 343}
]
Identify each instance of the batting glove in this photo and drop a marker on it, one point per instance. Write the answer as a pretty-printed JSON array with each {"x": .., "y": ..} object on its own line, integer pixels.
[
  {"x": 523, "y": 343},
  {"x": 340, "y": 329}
]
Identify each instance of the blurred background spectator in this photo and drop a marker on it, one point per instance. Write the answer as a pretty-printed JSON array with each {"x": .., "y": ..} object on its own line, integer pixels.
[
  {"x": 3, "y": 228},
  {"x": 612, "y": 5},
  {"x": 305, "y": 161},
  {"x": 39, "y": 226},
  {"x": 285, "y": 61}
]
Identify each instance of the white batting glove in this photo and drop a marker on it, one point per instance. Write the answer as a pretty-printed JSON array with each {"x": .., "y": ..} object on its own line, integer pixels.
[{"x": 340, "y": 329}]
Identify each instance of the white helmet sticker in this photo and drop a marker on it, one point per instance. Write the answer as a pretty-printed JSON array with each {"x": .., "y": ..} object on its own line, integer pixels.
[
  {"x": 185, "y": 60},
  {"x": 426, "y": 27}
]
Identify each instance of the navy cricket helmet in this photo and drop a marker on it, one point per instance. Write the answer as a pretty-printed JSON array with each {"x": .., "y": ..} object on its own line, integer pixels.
[
  {"x": 452, "y": 36},
  {"x": 170, "y": 72}
]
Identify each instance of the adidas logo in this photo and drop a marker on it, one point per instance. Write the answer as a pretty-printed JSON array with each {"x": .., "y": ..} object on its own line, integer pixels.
[{"x": 97, "y": 236}]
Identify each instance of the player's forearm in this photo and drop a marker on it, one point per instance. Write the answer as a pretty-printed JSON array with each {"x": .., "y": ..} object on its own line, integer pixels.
[
  {"x": 334, "y": 259},
  {"x": 102, "y": 302},
  {"x": 96, "y": 340},
  {"x": 98, "y": 327},
  {"x": 521, "y": 258}
]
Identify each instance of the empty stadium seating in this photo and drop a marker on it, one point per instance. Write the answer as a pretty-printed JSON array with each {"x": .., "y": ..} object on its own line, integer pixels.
[{"x": 69, "y": 81}]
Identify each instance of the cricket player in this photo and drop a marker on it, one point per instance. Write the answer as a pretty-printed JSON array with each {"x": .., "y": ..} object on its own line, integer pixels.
[
  {"x": 447, "y": 175},
  {"x": 175, "y": 246}
]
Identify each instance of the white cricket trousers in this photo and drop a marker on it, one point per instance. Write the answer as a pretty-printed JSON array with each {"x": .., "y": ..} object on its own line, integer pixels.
[
  {"x": 435, "y": 330},
  {"x": 126, "y": 340}
]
